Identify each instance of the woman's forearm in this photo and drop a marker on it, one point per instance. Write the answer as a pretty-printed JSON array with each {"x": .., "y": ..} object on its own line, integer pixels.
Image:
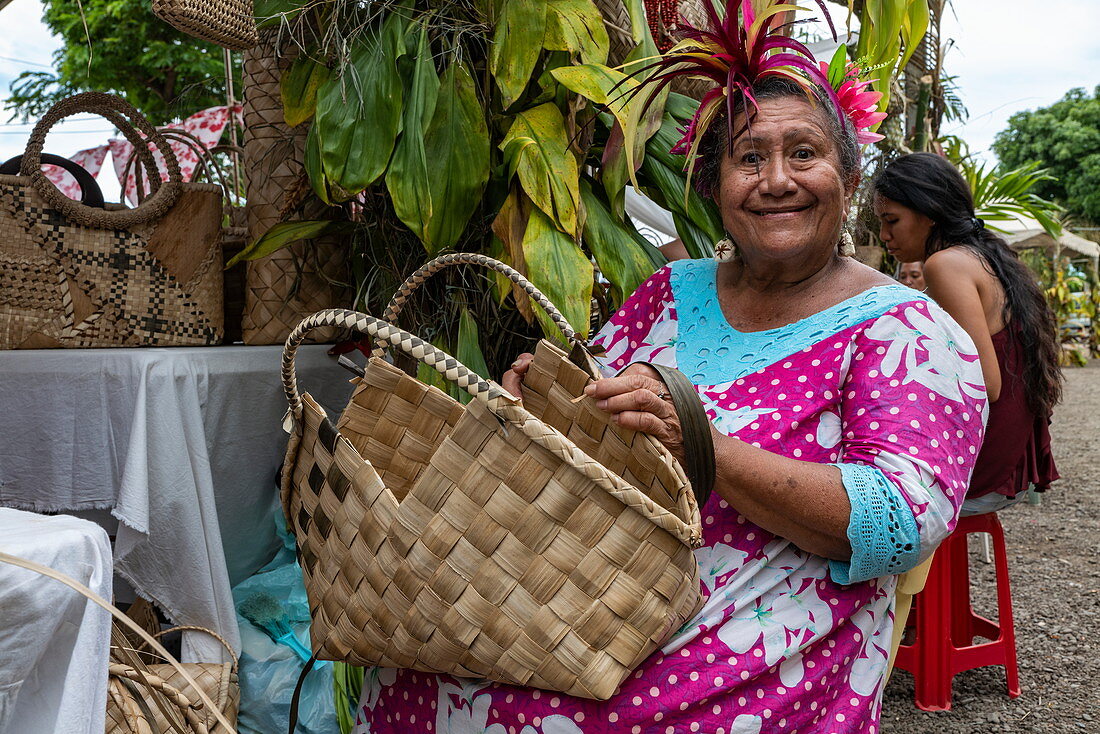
[{"x": 801, "y": 501}]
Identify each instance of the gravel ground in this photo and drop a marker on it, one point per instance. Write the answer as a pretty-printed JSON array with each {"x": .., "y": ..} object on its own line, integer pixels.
[{"x": 1055, "y": 571}]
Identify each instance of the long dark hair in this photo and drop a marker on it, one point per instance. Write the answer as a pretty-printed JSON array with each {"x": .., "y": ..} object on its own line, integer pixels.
[{"x": 930, "y": 185}]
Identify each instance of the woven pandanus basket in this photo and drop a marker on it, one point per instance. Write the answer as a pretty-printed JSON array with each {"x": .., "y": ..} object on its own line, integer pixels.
[
  {"x": 228, "y": 23},
  {"x": 531, "y": 543}
]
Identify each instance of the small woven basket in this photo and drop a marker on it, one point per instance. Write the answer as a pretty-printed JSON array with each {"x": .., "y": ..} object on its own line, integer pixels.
[
  {"x": 227, "y": 23},
  {"x": 536, "y": 544}
]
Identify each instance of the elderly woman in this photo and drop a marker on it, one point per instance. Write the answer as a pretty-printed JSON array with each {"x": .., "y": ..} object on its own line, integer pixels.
[{"x": 846, "y": 411}]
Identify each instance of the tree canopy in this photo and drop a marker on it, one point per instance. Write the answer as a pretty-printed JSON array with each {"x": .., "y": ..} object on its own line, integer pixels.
[
  {"x": 1065, "y": 140},
  {"x": 126, "y": 50}
]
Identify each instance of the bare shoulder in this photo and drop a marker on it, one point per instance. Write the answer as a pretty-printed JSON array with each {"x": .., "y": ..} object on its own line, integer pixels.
[{"x": 954, "y": 263}]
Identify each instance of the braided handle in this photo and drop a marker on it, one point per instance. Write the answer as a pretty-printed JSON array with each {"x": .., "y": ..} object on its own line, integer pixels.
[
  {"x": 196, "y": 628},
  {"x": 133, "y": 125},
  {"x": 414, "y": 281},
  {"x": 501, "y": 403},
  {"x": 443, "y": 363}
]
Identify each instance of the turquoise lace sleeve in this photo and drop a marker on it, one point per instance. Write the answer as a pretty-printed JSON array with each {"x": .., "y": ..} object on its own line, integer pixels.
[{"x": 882, "y": 530}]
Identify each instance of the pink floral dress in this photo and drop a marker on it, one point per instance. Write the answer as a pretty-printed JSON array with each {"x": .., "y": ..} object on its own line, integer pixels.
[{"x": 886, "y": 386}]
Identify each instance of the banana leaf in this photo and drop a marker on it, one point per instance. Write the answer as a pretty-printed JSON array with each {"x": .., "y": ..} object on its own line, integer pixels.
[
  {"x": 359, "y": 113},
  {"x": 536, "y": 148},
  {"x": 615, "y": 90},
  {"x": 407, "y": 178},
  {"x": 558, "y": 267},
  {"x": 576, "y": 26},
  {"x": 298, "y": 89},
  {"x": 517, "y": 42},
  {"x": 456, "y": 146}
]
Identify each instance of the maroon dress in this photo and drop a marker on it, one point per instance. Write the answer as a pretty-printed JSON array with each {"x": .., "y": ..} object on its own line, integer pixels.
[{"x": 1016, "y": 451}]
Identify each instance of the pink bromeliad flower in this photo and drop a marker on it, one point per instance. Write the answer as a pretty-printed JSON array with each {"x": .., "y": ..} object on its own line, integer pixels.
[{"x": 859, "y": 105}]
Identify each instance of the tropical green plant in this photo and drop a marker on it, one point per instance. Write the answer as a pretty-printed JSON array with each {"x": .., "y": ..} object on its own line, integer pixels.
[
  {"x": 495, "y": 126},
  {"x": 1007, "y": 195},
  {"x": 1064, "y": 138},
  {"x": 121, "y": 47},
  {"x": 889, "y": 33}
]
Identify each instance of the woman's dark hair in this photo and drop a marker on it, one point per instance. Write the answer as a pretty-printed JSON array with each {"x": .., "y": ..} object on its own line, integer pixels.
[
  {"x": 932, "y": 186},
  {"x": 715, "y": 142}
]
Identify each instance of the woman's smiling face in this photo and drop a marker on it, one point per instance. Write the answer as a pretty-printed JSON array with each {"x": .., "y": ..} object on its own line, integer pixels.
[{"x": 781, "y": 193}]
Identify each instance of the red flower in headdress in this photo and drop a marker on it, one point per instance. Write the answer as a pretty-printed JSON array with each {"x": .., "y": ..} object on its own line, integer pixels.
[
  {"x": 860, "y": 105},
  {"x": 737, "y": 48}
]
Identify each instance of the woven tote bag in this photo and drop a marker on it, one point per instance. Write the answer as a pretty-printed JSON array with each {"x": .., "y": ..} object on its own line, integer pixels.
[
  {"x": 227, "y": 23},
  {"x": 188, "y": 698},
  {"x": 531, "y": 543},
  {"x": 153, "y": 697},
  {"x": 73, "y": 275}
]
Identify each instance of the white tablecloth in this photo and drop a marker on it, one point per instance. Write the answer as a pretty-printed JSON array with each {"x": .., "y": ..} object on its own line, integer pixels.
[
  {"x": 54, "y": 643},
  {"x": 182, "y": 444}
]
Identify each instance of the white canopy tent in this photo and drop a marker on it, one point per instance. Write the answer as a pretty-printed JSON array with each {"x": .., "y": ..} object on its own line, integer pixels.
[{"x": 1027, "y": 233}]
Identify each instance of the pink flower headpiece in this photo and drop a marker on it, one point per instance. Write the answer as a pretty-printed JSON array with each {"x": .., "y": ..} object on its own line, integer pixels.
[
  {"x": 857, "y": 102},
  {"x": 735, "y": 50}
]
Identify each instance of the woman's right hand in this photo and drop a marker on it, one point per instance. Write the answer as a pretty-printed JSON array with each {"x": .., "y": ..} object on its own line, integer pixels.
[{"x": 513, "y": 378}]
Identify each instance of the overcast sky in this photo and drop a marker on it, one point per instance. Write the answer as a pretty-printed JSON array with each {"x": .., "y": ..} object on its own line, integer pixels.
[{"x": 1009, "y": 55}]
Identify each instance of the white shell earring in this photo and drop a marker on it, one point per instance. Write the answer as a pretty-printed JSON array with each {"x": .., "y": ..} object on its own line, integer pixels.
[
  {"x": 725, "y": 250},
  {"x": 847, "y": 244}
]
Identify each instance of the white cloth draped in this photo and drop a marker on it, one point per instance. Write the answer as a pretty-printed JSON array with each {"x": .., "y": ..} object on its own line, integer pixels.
[
  {"x": 181, "y": 444},
  {"x": 54, "y": 643}
]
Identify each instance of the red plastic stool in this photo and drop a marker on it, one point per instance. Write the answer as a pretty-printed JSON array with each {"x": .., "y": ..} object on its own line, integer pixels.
[{"x": 946, "y": 624}]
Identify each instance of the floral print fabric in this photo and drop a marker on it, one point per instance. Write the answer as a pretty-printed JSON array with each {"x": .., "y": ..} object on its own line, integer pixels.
[{"x": 780, "y": 645}]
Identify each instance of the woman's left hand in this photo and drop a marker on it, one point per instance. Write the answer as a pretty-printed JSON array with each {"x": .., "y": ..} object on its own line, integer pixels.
[{"x": 638, "y": 400}]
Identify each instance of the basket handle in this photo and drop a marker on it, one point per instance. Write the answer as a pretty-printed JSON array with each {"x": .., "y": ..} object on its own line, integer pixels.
[
  {"x": 129, "y": 121},
  {"x": 414, "y": 281},
  {"x": 499, "y": 401},
  {"x": 196, "y": 628},
  {"x": 206, "y": 166},
  {"x": 386, "y": 333}
]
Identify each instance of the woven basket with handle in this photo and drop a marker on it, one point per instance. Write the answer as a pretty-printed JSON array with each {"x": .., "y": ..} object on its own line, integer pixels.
[
  {"x": 150, "y": 698},
  {"x": 532, "y": 543},
  {"x": 75, "y": 275},
  {"x": 228, "y": 23}
]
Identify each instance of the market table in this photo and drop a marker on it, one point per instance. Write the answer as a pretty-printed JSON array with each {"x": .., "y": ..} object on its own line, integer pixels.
[
  {"x": 181, "y": 444},
  {"x": 54, "y": 643}
]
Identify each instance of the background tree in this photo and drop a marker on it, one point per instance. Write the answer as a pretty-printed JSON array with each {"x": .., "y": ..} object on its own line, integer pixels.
[
  {"x": 1065, "y": 140},
  {"x": 121, "y": 47}
]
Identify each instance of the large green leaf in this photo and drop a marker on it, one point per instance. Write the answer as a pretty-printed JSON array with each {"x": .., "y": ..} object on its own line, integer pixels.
[
  {"x": 663, "y": 181},
  {"x": 606, "y": 86},
  {"x": 468, "y": 350},
  {"x": 271, "y": 13},
  {"x": 287, "y": 233},
  {"x": 556, "y": 265},
  {"x": 456, "y": 145},
  {"x": 407, "y": 177},
  {"x": 298, "y": 89},
  {"x": 576, "y": 26},
  {"x": 359, "y": 113},
  {"x": 620, "y": 258},
  {"x": 537, "y": 149},
  {"x": 517, "y": 42},
  {"x": 315, "y": 172},
  {"x": 639, "y": 28}
]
